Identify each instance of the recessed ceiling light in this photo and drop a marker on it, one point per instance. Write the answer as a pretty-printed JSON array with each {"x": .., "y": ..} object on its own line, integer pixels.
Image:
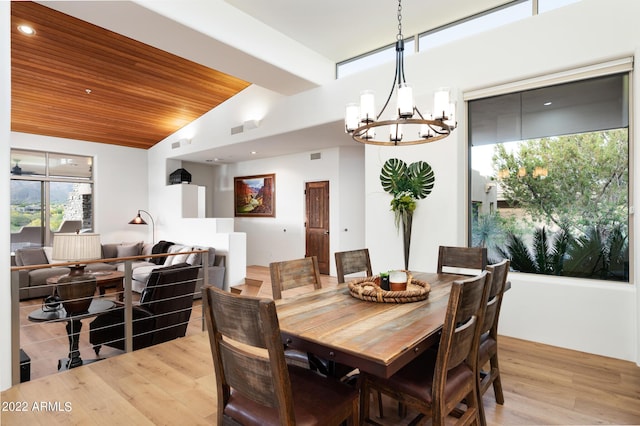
[
  {"x": 547, "y": 103},
  {"x": 254, "y": 152},
  {"x": 26, "y": 29}
]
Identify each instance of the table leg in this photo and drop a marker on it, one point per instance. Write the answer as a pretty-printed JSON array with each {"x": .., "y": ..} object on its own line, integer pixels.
[{"x": 73, "y": 332}]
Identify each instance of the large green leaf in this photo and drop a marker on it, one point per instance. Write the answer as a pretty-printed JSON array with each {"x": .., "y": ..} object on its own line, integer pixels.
[
  {"x": 421, "y": 179},
  {"x": 393, "y": 176},
  {"x": 418, "y": 177}
]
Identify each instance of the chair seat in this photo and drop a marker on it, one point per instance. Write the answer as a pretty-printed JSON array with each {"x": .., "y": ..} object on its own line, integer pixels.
[
  {"x": 416, "y": 379},
  {"x": 488, "y": 347},
  {"x": 317, "y": 401}
]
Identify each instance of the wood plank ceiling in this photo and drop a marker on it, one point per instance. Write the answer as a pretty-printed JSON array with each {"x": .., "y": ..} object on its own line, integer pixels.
[{"x": 76, "y": 80}]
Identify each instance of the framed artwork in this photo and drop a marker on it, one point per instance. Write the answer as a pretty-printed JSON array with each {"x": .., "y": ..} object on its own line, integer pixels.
[{"x": 255, "y": 196}]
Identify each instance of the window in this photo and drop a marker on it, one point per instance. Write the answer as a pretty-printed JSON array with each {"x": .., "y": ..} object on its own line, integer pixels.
[
  {"x": 484, "y": 21},
  {"x": 558, "y": 159},
  {"x": 50, "y": 192},
  {"x": 474, "y": 25}
]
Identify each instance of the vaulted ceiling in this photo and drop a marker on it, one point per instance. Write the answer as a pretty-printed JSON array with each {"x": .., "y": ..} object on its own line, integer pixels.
[{"x": 72, "y": 79}]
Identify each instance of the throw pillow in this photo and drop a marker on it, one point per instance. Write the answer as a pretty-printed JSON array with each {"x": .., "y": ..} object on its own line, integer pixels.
[
  {"x": 173, "y": 249},
  {"x": 31, "y": 256},
  {"x": 194, "y": 258},
  {"x": 128, "y": 250},
  {"x": 181, "y": 258}
]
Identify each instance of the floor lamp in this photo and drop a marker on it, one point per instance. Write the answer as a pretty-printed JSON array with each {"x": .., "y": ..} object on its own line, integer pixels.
[{"x": 138, "y": 220}]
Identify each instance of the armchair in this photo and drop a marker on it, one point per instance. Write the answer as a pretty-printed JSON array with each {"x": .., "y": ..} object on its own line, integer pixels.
[{"x": 162, "y": 315}]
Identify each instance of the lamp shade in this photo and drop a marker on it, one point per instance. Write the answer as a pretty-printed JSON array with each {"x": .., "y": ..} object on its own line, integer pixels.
[
  {"x": 138, "y": 220},
  {"x": 76, "y": 247}
]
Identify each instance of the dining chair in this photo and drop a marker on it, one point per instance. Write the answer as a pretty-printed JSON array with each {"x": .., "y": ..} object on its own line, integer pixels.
[
  {"x": 288, "y": 275},
  {"x": 473, "y": 258},
  {"x": 488, "y": 349},
  {"x": 254, "y": 384},
  {"x": 351, "y": 262},
  {"x": 291, "y": 274},
  {"x": 437, "y": 381}
]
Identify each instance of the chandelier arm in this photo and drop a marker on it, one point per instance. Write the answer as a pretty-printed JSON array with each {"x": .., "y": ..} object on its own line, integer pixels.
[{"x": 390, "y": 93}]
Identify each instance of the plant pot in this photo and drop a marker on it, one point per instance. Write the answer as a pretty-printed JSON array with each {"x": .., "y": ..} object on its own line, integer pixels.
[{"x": 397, "y": 286}]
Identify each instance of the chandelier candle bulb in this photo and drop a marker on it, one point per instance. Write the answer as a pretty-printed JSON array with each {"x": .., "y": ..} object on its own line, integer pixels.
[
  {"x": 352, "y": 117},
  {"x": 441, "y": 104},
  {"x": 367, "y": 106},
  {"x": 451, "y": 115},
  {"x": 395, "y": 132},
  {"x": 405, "y": 101}
]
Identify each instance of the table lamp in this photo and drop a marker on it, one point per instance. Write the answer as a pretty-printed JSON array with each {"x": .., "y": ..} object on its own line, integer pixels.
[{"x": 76, "y": 289}]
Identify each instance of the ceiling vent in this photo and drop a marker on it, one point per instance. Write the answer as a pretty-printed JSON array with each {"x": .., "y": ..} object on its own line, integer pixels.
[
  {"x": 237, "y": 129},
  {"x": 316, "y": 156}
]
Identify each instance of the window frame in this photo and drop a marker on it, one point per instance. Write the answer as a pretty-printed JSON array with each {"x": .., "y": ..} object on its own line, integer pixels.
[
  {"x": 616, "y": 66},
  {"x": 46, "y": 179}
]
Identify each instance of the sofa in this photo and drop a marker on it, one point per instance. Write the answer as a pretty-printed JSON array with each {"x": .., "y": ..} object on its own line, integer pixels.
[{"x": 32, "y": 283}]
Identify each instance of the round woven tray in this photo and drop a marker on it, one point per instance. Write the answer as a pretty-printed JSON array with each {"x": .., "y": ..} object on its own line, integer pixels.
[{"x": 369, "y": 290}]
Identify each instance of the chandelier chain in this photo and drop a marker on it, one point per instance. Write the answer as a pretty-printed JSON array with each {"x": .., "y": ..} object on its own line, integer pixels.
[{"x": 399, "y": 36}]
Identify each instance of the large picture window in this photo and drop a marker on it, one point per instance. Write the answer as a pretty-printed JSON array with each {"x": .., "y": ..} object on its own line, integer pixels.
[
  {"x": 550, "y": 178},
  {"x": 50, "y": 192}
]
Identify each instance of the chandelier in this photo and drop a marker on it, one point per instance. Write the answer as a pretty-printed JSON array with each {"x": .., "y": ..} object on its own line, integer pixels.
[{"x": 407, "y": 120}]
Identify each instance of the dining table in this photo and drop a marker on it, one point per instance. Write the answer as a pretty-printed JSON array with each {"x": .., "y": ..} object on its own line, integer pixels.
[{"x": 375, "y": 337}]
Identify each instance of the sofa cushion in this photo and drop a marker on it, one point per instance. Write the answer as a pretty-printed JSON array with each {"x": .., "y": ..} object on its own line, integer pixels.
[
  {"x": 128, "y": 250},
  {"x": 168, "y": 261},
  {"x": 142, "y": 272},
  {"x": 112, "y": 250},
  {"x": 31, "y": 256},
  {"x": 212, "y": 256},
  {"x": 109, "y": 251},
  {"x": 181, "y": 258}
]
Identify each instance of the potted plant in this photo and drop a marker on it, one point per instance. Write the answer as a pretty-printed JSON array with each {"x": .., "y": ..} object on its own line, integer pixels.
[{"x": 407, "y": 184}]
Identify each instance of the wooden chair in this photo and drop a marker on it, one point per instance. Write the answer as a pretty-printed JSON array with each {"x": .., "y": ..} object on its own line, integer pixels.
[
  {"x": 351, "y": 262},
  {"x": 290, "y": 274},
  {"x": 254, "y": 384},
  {"x": 488, "y": 350},
  {"x": 462, "y": 257},
  {"x": 434, "y": 383}
]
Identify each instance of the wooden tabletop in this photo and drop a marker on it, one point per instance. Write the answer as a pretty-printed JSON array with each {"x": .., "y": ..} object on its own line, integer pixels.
[{"x": 379, "y": 338}]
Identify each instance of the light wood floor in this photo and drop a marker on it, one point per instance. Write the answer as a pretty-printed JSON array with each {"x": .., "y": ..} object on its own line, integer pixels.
[{"x": 543, "y": 385}]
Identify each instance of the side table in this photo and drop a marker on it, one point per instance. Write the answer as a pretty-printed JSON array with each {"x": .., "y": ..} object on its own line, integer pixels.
[{"x": 74, "y": 325}]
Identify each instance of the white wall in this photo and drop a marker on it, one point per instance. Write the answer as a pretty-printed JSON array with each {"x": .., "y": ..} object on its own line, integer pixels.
[
  {"x": 555, "y": 41},
  {"x": 283, "y": 237},
  {"x": 595, "y": 317}
]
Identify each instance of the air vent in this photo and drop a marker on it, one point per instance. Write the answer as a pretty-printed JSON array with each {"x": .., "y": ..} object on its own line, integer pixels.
[
  {"x": 316, "y": 156},
  {"x": 237, "y": 129},
  {"x": 175, "y": 145}
]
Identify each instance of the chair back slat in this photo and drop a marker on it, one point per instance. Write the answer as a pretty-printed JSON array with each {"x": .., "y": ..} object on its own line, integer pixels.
[
  {"x": 290, "y": 274},
  {"x": 351, "y": 262},
  {"x": 462, "y": 257}
]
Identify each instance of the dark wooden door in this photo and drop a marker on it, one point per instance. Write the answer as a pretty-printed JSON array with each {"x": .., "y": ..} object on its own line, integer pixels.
[{"x": 317, "y": 223}]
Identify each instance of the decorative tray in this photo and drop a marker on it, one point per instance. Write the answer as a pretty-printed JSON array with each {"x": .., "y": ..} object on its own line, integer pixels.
[{"x": 368, "y": 289}]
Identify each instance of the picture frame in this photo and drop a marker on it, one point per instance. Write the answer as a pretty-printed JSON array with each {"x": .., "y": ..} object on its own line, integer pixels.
[{"x": 254, "y": 196}]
